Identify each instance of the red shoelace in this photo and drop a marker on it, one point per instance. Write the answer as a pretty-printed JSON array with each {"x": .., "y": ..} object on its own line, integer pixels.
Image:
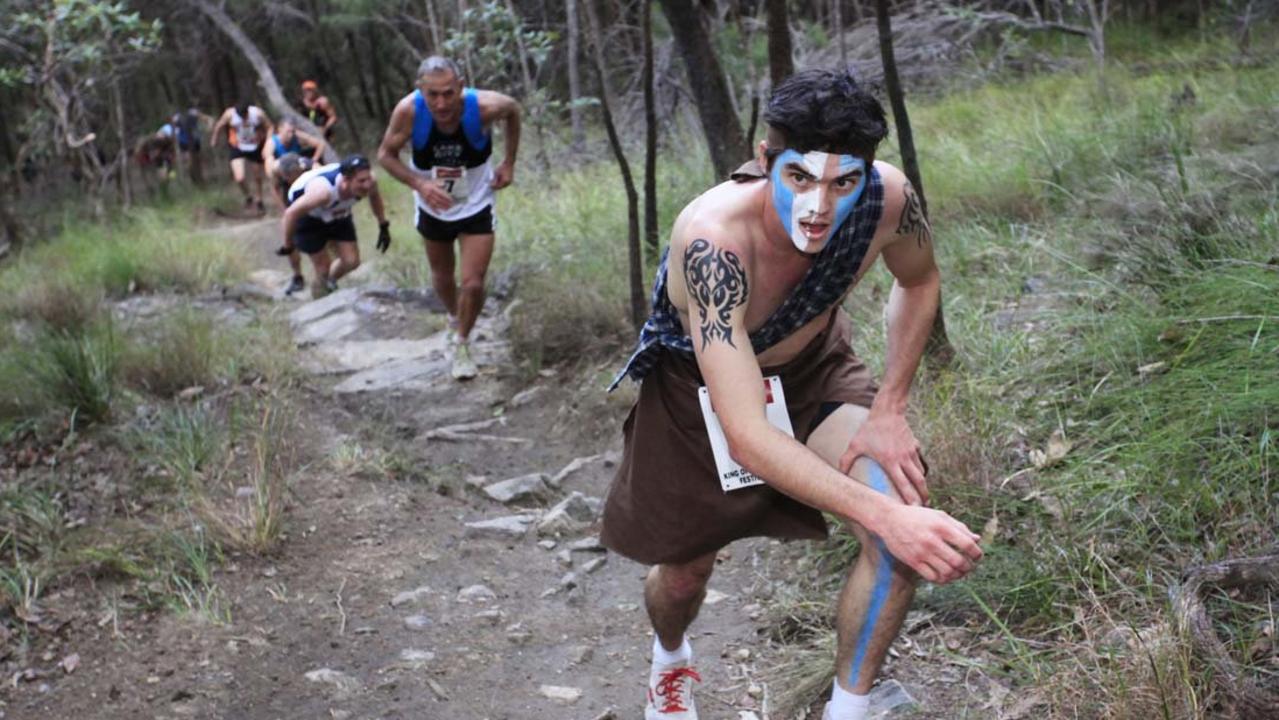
[{"x": 670, "y": 688}]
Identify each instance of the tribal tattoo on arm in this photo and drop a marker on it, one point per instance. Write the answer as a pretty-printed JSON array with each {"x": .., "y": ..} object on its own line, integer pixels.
[
  {"x": 912, "y": 221},
  {"x": 717, "y": 282}
]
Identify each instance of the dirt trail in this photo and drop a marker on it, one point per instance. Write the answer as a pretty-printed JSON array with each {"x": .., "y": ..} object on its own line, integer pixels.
[{"x": 381, "y": 602}]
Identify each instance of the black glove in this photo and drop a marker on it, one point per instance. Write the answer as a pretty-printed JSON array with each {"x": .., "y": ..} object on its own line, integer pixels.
[
  {"x": 284, "y": 251},
  {"x": 384, "y": 236}
]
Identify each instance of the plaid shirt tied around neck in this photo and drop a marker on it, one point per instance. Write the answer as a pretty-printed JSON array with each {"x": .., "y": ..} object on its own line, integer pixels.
[{"x": 831, "y": 275}]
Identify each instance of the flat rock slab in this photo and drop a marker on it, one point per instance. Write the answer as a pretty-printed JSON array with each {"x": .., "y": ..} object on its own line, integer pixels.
[
  {"x": 331, "y": 327},
  {"x": 510, "y": 527},
  {"x": 394, "y": 374},
  {"x": 358, "y": 355},
  {"x": 316, "y": 309}
]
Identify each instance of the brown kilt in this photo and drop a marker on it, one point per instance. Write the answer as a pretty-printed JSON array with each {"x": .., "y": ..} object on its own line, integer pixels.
[{"x": 666, "y": 504}]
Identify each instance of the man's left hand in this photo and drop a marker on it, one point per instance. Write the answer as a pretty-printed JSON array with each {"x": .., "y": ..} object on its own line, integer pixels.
[
  {"x": 503, "y": 175},
  {"x": 384, "y": 236},
  {"x": 886, "y": 438}
]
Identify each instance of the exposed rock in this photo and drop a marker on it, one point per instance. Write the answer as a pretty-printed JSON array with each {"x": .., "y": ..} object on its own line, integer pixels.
[
  {"x": 356, "y": 355},
  {"x": 572, "y": 467},
  {"x": 509, "y": 527},
  {"x": 566, "y": 695},
  {"x": 490, "y": 617},
  {"x": 547, "y": 544},
  {"x": 417, "y": 622},
  {"x": 342, "y": 683},
  {"x": 572, "y": 514},
  {"x": 565, "y": 558},
  {"x": 410, "y": 596},
  {"x": 316, "y": 309},
  {"x": 594, "y": 564},
  {"x": 477, "y": 481},
  {"x": 889, "y": 699},
  {"x": 580, "y": 654},
  {"x": 394, "y": 374},
  {"x": 329, "y": 328},
  {"x": 476, "y": 593},
  {"x": 517, "y": 489},
  {"x": 416, "y": 656},
  {"x": 714, "y": 597},
  {"x": 524, "y": 397},
  {"x": 587, "y": 544}
]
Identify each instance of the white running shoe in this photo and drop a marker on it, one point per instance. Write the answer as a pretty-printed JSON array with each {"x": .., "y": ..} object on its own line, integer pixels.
[
  {"x": 826, "y": 712},
  {"x": 670, "y": 692},
  {"x": 464, "y": 367}
]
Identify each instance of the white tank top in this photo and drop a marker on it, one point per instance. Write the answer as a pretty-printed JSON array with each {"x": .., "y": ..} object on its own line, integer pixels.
[
  {"x": 329, "y": 176},
  {"x": 244, "y": 131}
]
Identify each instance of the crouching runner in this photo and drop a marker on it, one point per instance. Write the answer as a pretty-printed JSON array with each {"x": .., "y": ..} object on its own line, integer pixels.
[{"x": 319, "y": 214}]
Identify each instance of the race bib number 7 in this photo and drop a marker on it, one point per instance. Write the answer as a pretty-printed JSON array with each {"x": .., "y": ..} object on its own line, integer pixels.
[
  {"x": 731, "y": 475},
  {"x": 453, "y": 180}
]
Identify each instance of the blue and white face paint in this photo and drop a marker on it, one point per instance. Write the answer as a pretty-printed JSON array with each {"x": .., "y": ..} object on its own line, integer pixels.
[{"x": 814, "y": 193}]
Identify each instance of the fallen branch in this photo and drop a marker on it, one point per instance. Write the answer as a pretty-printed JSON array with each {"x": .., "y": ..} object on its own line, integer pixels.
[{"x": 1249, "y": 700}]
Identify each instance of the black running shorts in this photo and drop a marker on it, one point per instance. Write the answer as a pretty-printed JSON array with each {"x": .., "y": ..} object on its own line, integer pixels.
[
  {"x": 446, "y": 231},
  {"x": 312, "y": 235},
  {"x": 250, "y": 155}
]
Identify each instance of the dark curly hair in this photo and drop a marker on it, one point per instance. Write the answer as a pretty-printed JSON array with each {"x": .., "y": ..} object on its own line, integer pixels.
[{"x": 824, "y": 110}]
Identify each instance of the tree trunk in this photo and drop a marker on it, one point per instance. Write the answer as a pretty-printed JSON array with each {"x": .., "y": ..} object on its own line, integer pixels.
[
  {"x": 723, "y": 131},
  {"x": 468, "y": 63},
  {"x": 266, "y": 76},
  {"x": 574, "y": 78},
  {"x": 639, "y": 311},
  {"x": 938, "y": 351},
  {"x": 434, "y": 20},
  {"x": 650, "y": 138},
  {"x": 781, "y": 63},
  {"x": 379, "y": 80},
  {"x": 358, "y": 68},
  {"x": 126, "y": 189},
  {"x": 839, "y": 32}
]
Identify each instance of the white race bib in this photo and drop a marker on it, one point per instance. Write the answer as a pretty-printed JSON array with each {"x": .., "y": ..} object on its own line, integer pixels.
[
  {"x": 454, "y": 180},
  {"x": 731, "y": 475}
]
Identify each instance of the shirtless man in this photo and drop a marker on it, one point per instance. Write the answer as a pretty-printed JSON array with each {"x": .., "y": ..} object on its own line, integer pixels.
[
  {"x": 449, "y": 127},
  {"x": 317, "y": 108},
  {"x": 751, "y": 289},
  {"x": 247, "y": 127},
  {"x": 319, "y": 214}
]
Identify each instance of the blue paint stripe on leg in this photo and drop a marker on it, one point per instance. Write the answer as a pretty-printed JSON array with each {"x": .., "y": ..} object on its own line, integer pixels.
[{"x": 883, "y": 582}]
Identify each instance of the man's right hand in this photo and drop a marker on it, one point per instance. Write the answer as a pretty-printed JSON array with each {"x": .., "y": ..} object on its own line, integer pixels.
[
  {"x": 284, "y": 250},
  {"x": 433, "y": 195},
  {"x": 935, "y": 545}
]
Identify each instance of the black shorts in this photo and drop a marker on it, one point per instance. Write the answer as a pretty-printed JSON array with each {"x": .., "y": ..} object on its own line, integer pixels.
[
  {"x": 312, "y": 235},
  {"x": 250, "y": 155},
  {"x": 446, "y": 231}
]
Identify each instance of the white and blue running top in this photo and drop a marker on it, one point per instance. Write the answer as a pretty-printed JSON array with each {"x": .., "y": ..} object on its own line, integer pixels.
[{"x": 329, "y": 175}]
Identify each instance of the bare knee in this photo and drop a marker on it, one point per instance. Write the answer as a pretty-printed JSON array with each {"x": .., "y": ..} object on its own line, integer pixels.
[
  {"x": 473, "y": 285},
  {"x": 351, "y": 263},
  {"x": 686, "y": 582}
]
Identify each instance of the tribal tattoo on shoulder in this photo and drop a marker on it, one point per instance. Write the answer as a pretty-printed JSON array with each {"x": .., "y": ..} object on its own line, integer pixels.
[
  {"x": 912, "y": 221},
  {"x": 717, "y": 281}
]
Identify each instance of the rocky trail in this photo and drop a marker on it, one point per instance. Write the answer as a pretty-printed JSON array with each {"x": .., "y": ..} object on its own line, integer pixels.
[{"x": 464, "y": 580}]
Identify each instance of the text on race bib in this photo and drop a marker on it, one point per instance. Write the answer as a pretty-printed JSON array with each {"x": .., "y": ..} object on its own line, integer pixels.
[
  {"x": 733, "y": 476},
  {"x": 454, "y": 180}
]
